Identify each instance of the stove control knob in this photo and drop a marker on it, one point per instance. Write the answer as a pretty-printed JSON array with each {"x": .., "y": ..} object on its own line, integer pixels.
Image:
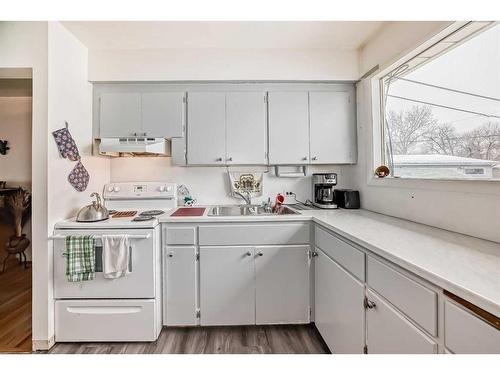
[
  {"x": 110, "y": 189},
  {"x": 169, "y": 188},
  {"x": 116, "y": 189},
  {"x": 162, "y": 189}
]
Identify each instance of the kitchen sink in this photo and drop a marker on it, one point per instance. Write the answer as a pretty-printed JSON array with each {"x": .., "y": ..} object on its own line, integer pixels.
[{"x": 247, "y": 210}]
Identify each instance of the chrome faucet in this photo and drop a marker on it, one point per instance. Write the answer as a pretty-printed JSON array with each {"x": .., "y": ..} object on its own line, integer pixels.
[{"x": 247, "y": 197}]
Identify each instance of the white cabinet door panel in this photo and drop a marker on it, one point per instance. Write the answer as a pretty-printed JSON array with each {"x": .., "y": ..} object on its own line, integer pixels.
[
  {"x": 227, "y": 285},
  {"x": 339, "y": 310},
  {"x": 465, "y": 333},
  {"x": 180, "y": 293},
  {"x": 388, "y": 332},
  {"x": 120, "y": 114},
  {"x": 206, "y": 128},
  {"x": 163, "y": 114},
  {"x": 333, "y": 129},
  {"x": 282, "y": 284},
  {"x": 288, "y": 127},
  {"x": 246, "y": 128}
]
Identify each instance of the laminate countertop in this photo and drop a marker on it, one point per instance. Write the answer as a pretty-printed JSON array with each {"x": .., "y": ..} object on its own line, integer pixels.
[{"x": 466, "y": 266}]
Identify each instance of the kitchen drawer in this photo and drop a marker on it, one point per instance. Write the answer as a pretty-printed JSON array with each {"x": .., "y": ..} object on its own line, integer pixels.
[
  {"x": 106, "y": 320},
  {"x": 261, "y": 234},
  {"x": 465, "y": 333},
  {"x": 180, "y": 235},
  {"x": 341, "y": 252},
  {"x": 418, "y": 302},
  {"x": 390, "y": 332}
]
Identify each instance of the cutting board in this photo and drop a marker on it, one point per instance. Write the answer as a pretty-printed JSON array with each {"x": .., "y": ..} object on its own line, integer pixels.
[{"x": 189, "y": 211}]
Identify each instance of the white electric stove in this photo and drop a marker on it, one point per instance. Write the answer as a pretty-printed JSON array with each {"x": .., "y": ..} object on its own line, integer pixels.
[{"x": 127, "y": 308}]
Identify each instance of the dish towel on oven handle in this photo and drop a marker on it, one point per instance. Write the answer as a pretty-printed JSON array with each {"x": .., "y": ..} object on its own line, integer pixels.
[
  {"x": 80, "y": 258},
  {"x": 115, "y": 256}
]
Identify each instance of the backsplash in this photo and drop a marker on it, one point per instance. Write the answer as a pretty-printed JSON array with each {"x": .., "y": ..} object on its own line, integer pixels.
[{"x": 210, "y": 185}]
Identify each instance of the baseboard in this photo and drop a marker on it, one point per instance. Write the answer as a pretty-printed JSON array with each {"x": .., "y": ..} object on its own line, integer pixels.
[{"x": 39, "y": 345}]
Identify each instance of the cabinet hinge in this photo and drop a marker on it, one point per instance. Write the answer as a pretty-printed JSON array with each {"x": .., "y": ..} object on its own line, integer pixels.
[
  {"x": 184, "y": 99},
  {"x": 365, "y": 349},
  {"x": 198, "y": 313},
  {"x": 197, "y": 256},
  {"x": 310, "y": 313}
]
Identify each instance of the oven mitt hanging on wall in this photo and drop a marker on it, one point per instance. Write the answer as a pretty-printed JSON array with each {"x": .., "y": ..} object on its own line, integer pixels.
[
  {"x": 79, "y": 177},
  {"x": 66, "y": 144}
]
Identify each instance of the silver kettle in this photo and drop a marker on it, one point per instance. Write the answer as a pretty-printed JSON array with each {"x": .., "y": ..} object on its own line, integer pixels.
[{"x": 93, "y": 212}]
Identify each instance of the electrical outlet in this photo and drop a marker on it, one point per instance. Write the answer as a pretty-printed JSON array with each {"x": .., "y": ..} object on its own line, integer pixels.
[{"x": 289, "y": 197}]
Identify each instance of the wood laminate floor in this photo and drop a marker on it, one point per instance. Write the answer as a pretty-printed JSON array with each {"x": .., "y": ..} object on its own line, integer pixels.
[
  {"x": 274, "y": 339},
  {"x": 15, "y": 307}
]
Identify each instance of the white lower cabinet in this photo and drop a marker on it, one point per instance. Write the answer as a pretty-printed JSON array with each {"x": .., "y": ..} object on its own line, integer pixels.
[
  {"x": 180, "y": 289},
  {"x": 389, "y": 332},
  {"x": 339, "y": 310},
  {"x": 282, "y": 284},
  {"x": 242, "y": 285},
  {"x": 466, "y": 333},
  {"x": 227, "y": 289}
]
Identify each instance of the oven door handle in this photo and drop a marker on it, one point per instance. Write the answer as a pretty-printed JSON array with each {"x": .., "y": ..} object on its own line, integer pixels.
[{"x": 130, "y": 236}]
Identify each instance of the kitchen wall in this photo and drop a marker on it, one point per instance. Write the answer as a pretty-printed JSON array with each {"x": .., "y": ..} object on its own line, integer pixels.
[
  {"x": 210, "y": 185},
  {"x": 70, "y": 99},
  {"x": 222, "y": 64},
  {"x": 467, "y": 207}
]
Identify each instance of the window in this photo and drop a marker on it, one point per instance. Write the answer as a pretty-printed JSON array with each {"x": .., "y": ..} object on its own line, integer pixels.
[{"x": 440, "y": 111}]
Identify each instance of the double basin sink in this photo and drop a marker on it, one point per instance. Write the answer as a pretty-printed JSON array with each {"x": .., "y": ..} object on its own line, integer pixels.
[{"x": 248, "y": 210}]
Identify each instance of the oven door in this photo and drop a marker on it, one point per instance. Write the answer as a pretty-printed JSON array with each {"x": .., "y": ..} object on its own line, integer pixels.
[{"x": 140, "y": 283}]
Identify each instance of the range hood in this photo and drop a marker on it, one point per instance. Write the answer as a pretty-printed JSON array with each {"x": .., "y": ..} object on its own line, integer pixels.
[{"x": 134, "y": 146}]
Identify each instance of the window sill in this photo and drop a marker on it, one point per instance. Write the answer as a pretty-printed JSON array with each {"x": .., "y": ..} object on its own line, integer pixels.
[{"x": 471, "y": 186}]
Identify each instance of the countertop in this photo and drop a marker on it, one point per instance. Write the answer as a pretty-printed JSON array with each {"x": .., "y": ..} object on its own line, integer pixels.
[{"x": 466, "y": 266}]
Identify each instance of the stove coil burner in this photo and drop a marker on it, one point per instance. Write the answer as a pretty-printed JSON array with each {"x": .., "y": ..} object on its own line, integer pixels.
[
  {"x": 142, "y": 218},
  {"x": 152, "y": 213},
  {"x": 119, "y": 214}
]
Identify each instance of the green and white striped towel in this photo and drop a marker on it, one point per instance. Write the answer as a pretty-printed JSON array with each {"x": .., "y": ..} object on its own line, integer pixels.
[{"x": 80, "y": 258}]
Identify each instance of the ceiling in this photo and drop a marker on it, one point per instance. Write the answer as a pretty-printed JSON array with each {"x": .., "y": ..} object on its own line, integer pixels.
[{"x": 100, "y": 35}]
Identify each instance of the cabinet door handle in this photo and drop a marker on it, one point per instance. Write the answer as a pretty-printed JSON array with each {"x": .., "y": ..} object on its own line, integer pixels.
[
  {"x": 144, "y": 134},
  {"x": 218, "y": 159},
  {"x": 248, "y": 253},
  {"x": 315, "y": 158},
  {"x": 229, "y": 159},
  {"x": 135, "y": 134},
  {"x": 260, "y": 253},
  {"x": 171, "y": 254},
  {"x": 314, "y": 254},
  {"x": 304, "y": 158}
]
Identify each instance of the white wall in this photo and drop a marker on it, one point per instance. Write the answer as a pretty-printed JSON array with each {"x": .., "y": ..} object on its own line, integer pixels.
[
  {"x": 24, "y": 45},
  {"x": 395, "y": 39},
  {"x": 467, "y": 207},
  {"x": 209, "y": 185},
  {"x": 15, "y": 127},
  {"x": 222, "y": 64}
]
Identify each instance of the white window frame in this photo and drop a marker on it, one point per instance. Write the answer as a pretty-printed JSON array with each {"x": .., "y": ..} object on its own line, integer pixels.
[{"x": 375, "y": 102}]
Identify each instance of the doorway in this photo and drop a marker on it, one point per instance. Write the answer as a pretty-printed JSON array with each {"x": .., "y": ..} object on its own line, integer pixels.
[{"x": 15, "y": 210}]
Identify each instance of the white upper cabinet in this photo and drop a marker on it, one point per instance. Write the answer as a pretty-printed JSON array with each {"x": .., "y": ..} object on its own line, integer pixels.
[
  {"x": 288, "y": 127},
  {"x": 206, "y": 133},
  {"x": 332, "y": 127},
  {"x": 246, "y": 136},
  {"x": 155, "y": 114},
  {"x": 120, "y": 114},
  {"x": 163, "y": 114}
]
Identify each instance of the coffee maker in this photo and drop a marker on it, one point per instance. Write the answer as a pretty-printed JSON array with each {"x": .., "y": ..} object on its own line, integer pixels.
[{"x": 322, "y": 186}]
